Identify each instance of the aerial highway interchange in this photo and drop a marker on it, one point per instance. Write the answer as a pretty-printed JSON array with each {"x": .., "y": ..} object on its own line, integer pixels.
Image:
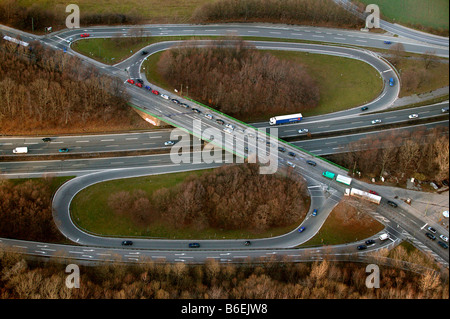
[{"x": 324, "y": 194}]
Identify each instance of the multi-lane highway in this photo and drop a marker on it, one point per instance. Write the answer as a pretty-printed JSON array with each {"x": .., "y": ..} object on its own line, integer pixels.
[
  {"x": 150, "y": 141},
  {"x": 324, "y": 193}
]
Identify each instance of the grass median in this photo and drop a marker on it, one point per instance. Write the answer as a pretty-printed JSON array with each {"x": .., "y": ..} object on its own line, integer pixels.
[
  {"x": 343, "y": 83},
  {"x": 90, "y": 211},
  {"x": 348, "y": 222}
]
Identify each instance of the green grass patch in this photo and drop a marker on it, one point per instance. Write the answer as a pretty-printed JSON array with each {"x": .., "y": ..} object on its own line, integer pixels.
[
  {"x": 149, "y": 67},
  {"x": 434, "y": 13},
  {"x": 109, "y": 51},
  {"x": 344, "y": 83},
  {"x": 114, "y": 50},
  {"x": 90, "y": 211},
  {"x": 333, "y": 232}
]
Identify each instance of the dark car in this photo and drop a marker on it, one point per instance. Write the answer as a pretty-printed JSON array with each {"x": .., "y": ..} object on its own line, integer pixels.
[
  {"x": 281, "y": 149},
  {"x": 387, "y": 42},
  {"x": 175, "y": 101},
  {"x": 144, "y": 52},
  {"x": 247, "y": 243},
  {"x": 63, "y": 150},
  {"x": 364, "y": 108},
  {"x": 312, "y": 163},
  {"x": 148, "y": 88},
  {"x": 194, "y": 245},
  {"x": 431, "y": 229},
  {"x": 392, "y": 204},
  {"x": 46, "y": 139},
  {"x": 184, "y": 105},
  {"x": 221, "y": 122},
  {"x": 361, "y": 247},
  {"x": 443, "y": 245},
  {"x": 196, "y": 110},
  {"x": 301, "y": 229},
  {"x": 431, "y": 236},
  {"x": 127, "y": 243},
  {"x": 370, "y": 242},
  {"x": 292, "y": 154},
  {"x": 140, "y": 81},
  {"x": 314, "y": 213}
]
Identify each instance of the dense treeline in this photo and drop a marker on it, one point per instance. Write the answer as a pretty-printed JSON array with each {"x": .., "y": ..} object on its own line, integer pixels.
[
  {"x": 37, "y": 18},
  {"x": 230, "y": 197},
  {"x": 44, "y": 89},
  {"x": 26, "y": 212},
  {"x": 308, "y": 12},
  {"x": 272, "y": 280},
  {"x": 420, "y": 153},
  {"x": 238, "y": 80}
]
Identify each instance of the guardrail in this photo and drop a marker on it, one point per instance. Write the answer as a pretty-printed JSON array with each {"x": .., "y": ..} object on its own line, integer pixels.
[{"x": 267, "y": 134}]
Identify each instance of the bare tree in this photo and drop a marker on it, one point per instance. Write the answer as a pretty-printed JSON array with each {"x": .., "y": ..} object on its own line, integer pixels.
[{"x": 428, "y": 59}]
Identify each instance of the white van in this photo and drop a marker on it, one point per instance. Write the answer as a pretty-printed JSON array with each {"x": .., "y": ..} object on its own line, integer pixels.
[
  {"x": 384, "y": 236},
  {"x": 20, "y": 150}
]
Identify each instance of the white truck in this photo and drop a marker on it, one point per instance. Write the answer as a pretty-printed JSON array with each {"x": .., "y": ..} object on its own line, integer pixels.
[
  {"x": 20, "y": 150},
  {"x": 343, "y": 179},
  {"x": 364, "y": 195}
]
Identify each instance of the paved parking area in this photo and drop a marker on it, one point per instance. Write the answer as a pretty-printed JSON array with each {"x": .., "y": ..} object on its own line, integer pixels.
[{"x": 429, "y": 206}]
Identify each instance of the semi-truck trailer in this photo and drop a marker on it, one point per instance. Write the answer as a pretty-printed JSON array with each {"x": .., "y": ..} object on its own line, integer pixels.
[
  {"x": 364, "y": 195},
  {"x": 286, "y": 119}
]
